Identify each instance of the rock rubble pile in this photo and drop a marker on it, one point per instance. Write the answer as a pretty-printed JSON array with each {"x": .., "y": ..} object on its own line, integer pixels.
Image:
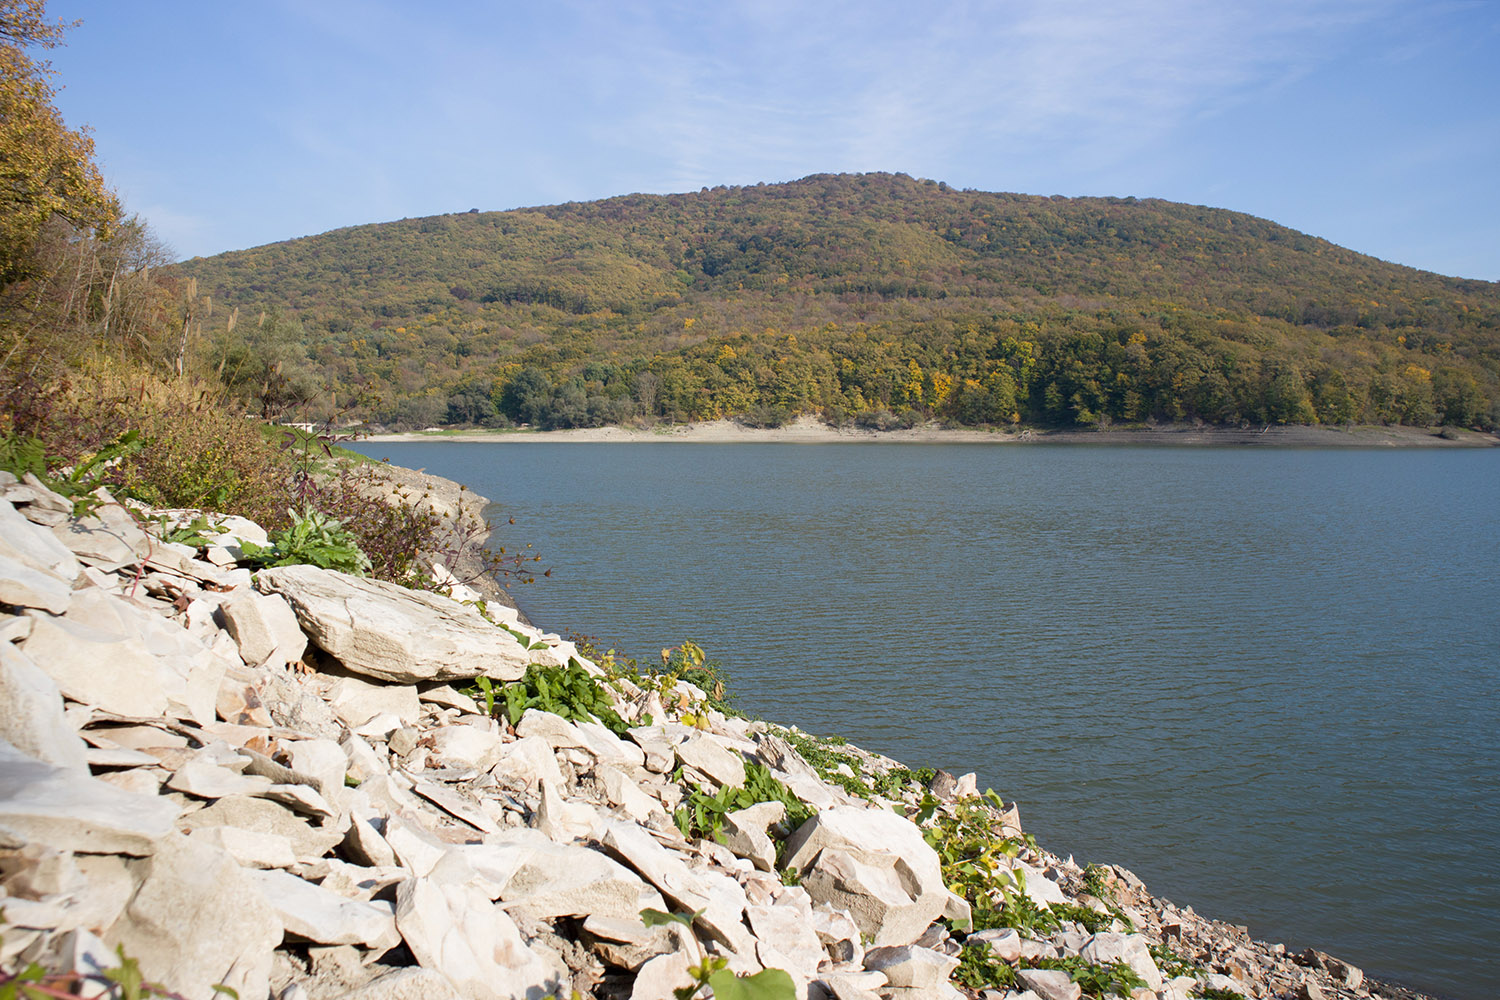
[{"x": 275, "y": 784}]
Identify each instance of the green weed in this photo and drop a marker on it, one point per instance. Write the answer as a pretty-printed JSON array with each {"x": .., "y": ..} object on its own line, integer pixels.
[
  {"x": 1218, "y": 993},
  {"x": 976, "y": 865},
  {"x": 1090, "y": 920},
  {"x": 199, "y": 533},
  {"x": 1114, "y": 979},
  {"x": 571, "y": 692},
  {"x": 1172, "y": 964},
  {"x": 702, "y": 813},
  {"x": 313, "y": 538},
  {"x": 979, "y": 969}
]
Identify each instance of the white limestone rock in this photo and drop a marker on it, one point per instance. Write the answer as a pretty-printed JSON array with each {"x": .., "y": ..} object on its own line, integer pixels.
[
  {"x": 388, "y": 632},
  {"x": 724, "y": 915},
  {"x": 661, "y": 867},
  {"x": 455, "y": 930},
  {"x": 196, "y": 920},
  {"x": 25, "y": 587},
  {"x": 557, "y": 732},
  {"x": 608, "y": 747},
  {"x": 364, "y": 761},
  {"x": 911, "y": 966},
  {"x": 366, "y": 845},
  {"x": 258, "y": 815},
  {"x": 745, "y": 833},
  {"x": 1050, "y": 984},
  {"x": 407, "y": 984},
  {"x": 785, "y": 940},
  {"x": 115, "y": 542},
  {"x": 206, "y": 780},
  {"x": 874, "y": 864},
  {"x": 840, "y": 936},
  {"x": 33, "y": 546},
  {"x": 47, "y": 804},
  {"x": 528, "y": 764},
  {"x": 264, "y": 627},
  {"x": 1132, "y": 949},
  {"x": 565, "y": 821},
  {"x": 1043, "y": 891},
  {"x": 1228, "y": 984},
  {"x": 416, "y": 849},
  {"x": 71, "y": 652},
  {"x": 655, "y": 747},
  {"x": 853, "y": 985},
  {"x": 248, "y": 848},
  {"x": 448, "y": 697},
  {"x": 624, "y": 793},
  {"x": 313, "y": 913},
  {"x": 629, "y": 943},
  {"x": 300, "y": 798},
  {"x": 455, "y": 804},
  {"x": 704, "y": 752},
  {"x": 320, "y": 759},
  {"x": 31, "y": 713},
  {"x": 663, "y": 975},
  {"x": 357, "y": 701},
  {"x": 466, "y": 746},
  {"x": 545, "y": 879},
  {"x": 1004, "y": 943}
]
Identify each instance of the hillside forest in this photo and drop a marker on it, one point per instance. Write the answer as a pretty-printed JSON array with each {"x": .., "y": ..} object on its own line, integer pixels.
[{"x": 877, "y": 299}]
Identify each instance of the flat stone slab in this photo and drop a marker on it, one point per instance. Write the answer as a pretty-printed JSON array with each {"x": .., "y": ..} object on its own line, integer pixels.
[
  {"x": 196, "y": 920},
  {"x": 385, "y": 631},
  {"x": 317, "y": 914},
  {"x": 33, "y": 546},
  {"x": 42, "y": 803},
  {"x": 31, "y": 714},
  {"x": 553, "y": 880},
  {"x": 71, "y": 652},
  {"x": 26, "y": 587}
]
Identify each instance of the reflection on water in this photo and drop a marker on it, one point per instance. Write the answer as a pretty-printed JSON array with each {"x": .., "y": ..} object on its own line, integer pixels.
[{"x": 1263, "y": 680}]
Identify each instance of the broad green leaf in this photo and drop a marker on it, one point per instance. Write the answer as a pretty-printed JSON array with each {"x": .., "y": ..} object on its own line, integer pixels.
[
  {"x": 772, "y": 984},
  {"x": 660, "y": 918}
]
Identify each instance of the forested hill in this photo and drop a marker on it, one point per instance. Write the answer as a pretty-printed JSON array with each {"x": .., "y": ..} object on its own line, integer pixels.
[{"x": 872, "y": 297}]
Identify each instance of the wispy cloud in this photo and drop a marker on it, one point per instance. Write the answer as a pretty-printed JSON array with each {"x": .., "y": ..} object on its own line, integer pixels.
[
  {"x": 781, "y": 88},
  {"x": 309, "y": 116}
]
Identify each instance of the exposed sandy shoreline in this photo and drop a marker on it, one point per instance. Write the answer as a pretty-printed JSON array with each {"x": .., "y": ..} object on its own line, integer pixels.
[{"x": 808, "y": 430}]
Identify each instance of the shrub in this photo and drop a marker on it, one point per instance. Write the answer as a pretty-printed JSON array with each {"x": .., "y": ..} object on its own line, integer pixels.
[{"x": 196, "y": 450}]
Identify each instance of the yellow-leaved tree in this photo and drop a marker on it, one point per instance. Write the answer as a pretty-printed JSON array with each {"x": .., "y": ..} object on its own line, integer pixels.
[{"x": 47, "y": 170}]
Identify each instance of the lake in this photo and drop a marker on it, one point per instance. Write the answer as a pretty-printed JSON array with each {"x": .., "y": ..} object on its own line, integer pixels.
[{"x": 1263, "y": 680}]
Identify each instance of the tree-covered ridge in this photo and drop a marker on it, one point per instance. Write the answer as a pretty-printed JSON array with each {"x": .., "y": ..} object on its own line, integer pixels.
[{"x": 875, "y": 297}]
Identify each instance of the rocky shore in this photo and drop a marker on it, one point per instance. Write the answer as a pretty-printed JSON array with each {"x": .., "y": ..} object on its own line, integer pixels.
[{"x": 304, "y": 785}]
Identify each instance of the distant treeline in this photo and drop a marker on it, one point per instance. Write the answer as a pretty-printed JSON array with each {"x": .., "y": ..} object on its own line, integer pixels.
[{"x": 871, "y": 298}]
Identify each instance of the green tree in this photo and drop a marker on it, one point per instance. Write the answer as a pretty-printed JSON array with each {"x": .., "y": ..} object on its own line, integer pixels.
[
  {"x": 1286, "y": 400},
  {"x": 1459, "y": 397},
  {"x": 268, "y": 365},
  {"x": 471, "y": 404},
  {"x": 527, "y": 397}
]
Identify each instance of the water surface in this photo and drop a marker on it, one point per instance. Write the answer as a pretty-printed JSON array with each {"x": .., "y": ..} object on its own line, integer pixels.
[{"x": 1263, "y": 680}]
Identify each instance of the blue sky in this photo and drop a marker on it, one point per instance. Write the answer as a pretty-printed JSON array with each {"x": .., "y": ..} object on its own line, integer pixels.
[{"x": 232, "y": 123}]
